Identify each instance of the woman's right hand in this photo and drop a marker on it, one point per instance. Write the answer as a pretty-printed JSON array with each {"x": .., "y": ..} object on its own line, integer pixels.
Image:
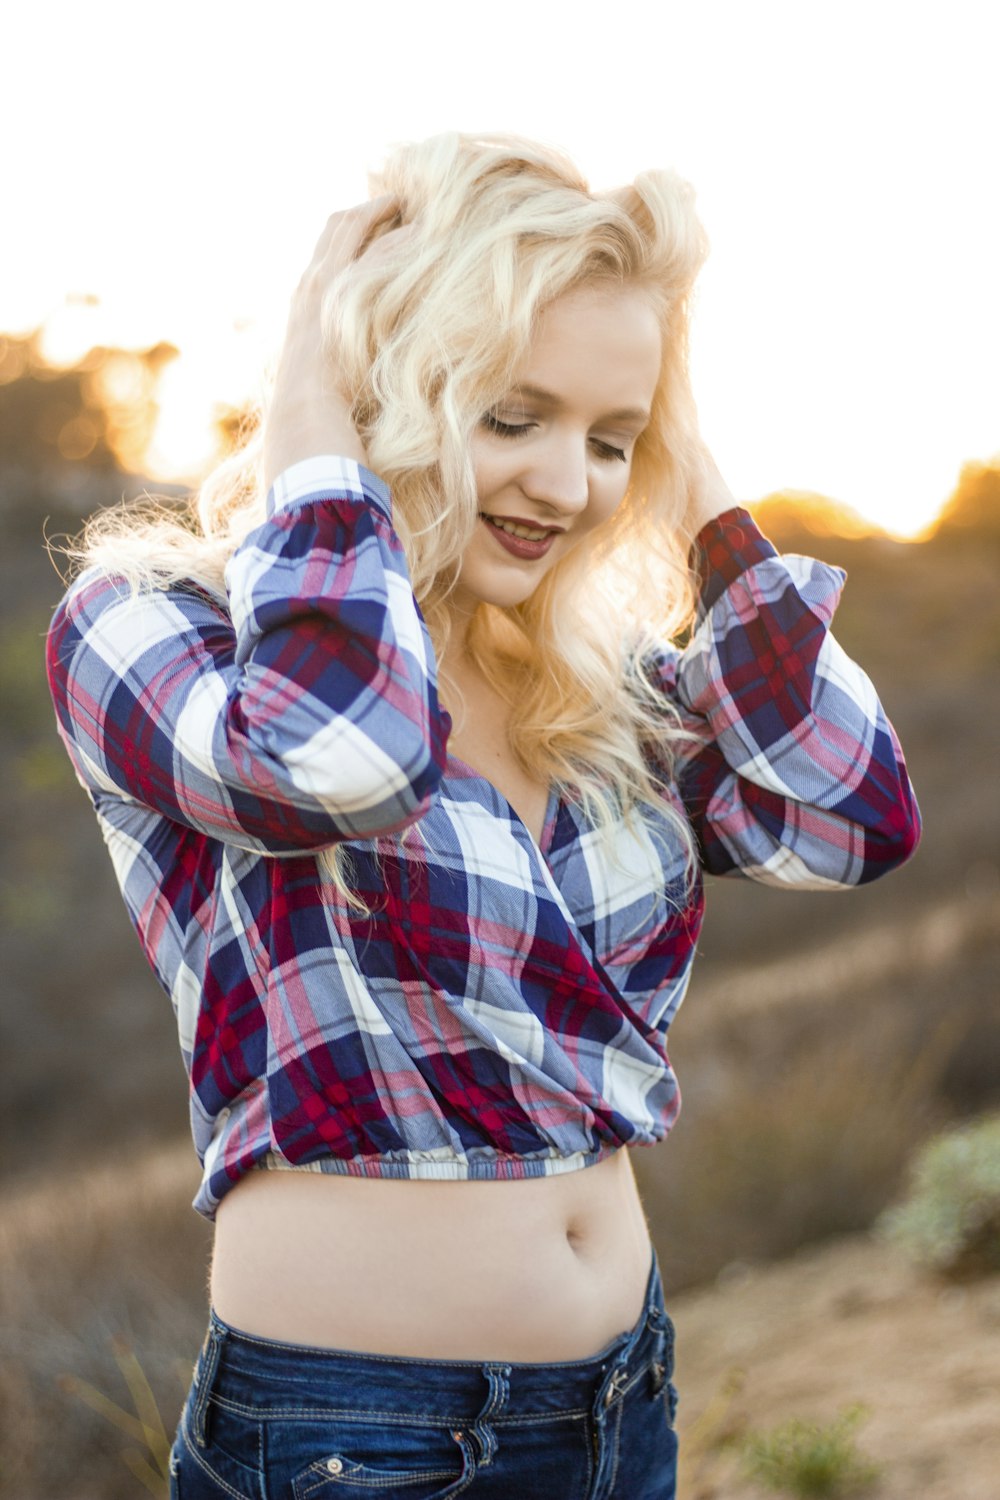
[{"x": 309, "y": 413}]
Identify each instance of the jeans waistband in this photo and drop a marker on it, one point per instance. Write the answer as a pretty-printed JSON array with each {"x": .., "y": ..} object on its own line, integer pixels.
[{"x": 275, "y": 1379}]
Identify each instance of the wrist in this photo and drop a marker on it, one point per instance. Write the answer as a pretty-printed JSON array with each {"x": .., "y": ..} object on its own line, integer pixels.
[
  {"x": 292, "y": 442},
  {"x": 710, "y": 496}
]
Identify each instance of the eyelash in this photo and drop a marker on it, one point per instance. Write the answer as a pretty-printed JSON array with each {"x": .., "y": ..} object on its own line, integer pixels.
[{"x": 606, "y": 451}]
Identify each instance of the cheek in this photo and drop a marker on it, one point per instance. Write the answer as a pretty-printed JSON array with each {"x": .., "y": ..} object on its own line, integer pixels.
[
  {"x": 487, "y": 469},
  {"x": 611, "y": 493}
]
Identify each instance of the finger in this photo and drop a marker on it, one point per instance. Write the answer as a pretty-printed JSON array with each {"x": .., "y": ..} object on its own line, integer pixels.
[
  {"x": 385, "y": 241},
  {"x": 347, "y": 231}
]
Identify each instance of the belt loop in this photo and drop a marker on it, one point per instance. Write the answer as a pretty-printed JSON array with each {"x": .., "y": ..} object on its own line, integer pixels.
[
  {"x": 610, "y": 1388},
  {"x": 498, "y": 1377},
  {"x": 205, "y": 1379},
  {"x": 656, "y": 1312}
]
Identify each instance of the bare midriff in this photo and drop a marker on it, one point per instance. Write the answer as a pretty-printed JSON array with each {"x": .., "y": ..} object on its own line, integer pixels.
[{"x": 540, "y": 1269}]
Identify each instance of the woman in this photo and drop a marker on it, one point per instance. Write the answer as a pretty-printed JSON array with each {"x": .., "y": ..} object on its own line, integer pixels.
[{"x": 424, "y": 950}]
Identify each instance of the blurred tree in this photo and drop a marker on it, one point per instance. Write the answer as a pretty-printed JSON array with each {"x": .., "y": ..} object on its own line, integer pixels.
[
  {"x": 792, "y": 517},
  {"x": 99, "y": 413},
  {"x": 973, "y": 508}
]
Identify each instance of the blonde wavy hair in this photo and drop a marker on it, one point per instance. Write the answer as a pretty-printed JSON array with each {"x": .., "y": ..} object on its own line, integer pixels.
[{"x": 427, "y": 340}]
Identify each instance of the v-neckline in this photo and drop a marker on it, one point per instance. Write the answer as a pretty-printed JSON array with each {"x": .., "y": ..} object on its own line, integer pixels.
[{"x": 543, "y": 844}]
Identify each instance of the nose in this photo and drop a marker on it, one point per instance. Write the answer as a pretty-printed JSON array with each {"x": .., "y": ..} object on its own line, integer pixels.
[{"x": 557, "y": 474}]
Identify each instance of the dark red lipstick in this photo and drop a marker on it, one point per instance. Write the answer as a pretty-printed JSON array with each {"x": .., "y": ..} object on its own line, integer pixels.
[{"x": 520, "y": 546}]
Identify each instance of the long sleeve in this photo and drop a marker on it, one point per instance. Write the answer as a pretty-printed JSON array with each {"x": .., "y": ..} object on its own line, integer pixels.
[
  {"x": 300, "y": 712},
  {"x": 794, "y": 774}
]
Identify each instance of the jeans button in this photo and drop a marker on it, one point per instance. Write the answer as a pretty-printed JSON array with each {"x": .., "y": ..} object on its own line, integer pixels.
[{"x": 335, "y": 1465}]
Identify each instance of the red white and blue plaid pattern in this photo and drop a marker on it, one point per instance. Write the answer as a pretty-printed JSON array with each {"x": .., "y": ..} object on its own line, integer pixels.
[{"x": 503, "y": 1010}]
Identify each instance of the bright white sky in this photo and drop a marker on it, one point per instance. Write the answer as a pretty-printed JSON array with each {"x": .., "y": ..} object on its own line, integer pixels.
[{"x": 178, "y": 162}]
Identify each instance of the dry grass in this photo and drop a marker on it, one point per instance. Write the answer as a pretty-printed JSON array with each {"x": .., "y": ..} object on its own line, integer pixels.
[{"x": 103, "y": 1262}]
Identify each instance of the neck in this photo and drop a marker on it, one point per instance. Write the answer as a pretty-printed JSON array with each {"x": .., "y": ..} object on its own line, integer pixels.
[{"x": 457, "y": 657}]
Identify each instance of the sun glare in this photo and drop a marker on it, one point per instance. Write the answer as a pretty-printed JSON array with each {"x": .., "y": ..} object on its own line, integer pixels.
[
  {"x": 182, "y": 394},
  {"x": 845, "y": 324},
  {"x": 184, "y": 440}
]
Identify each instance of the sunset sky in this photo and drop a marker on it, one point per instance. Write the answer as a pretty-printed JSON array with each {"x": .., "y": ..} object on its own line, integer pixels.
[{"x": 168, "y": 169}]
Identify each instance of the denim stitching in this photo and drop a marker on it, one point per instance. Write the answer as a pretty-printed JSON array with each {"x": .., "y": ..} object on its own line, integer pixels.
[
  {"x": 209, "y": 1366},
  {"x": 216, "y": 1478},
  {"x": 397, "y": 1418},
  {"x": 469, "y": 1471},
  {"x": 237, "y": 1336},
  {"x": 391, "y": 1478},
  {"x": 307, "y": 1351},
  {"x": 641, "y": 1374},
  {"x": 261, "y": 1460},
  {"x": 341, "y": 1413},
  {"x": 620, "y": 1405},
  {"x": 588, "y": 1445},
  {"x": 499, "y": 1378},
  {"x": 540, "y": 1418}
]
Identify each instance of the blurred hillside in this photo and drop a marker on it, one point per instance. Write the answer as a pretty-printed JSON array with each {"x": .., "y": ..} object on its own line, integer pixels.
[{"x": 91, "y": 1035}]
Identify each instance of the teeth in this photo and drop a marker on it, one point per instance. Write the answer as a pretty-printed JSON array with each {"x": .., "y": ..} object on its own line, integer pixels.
[{"x": 522, "y": 531}]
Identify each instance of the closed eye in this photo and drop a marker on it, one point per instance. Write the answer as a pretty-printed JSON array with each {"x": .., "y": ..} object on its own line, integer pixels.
[
  {"x": 506, "y": 429},
  {"x": 609, "y": 452},
  {"x": 605, "y": 451}
]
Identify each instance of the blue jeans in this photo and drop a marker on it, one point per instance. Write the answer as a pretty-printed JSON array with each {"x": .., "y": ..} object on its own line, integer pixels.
[{"x": 272, "y": 1421}]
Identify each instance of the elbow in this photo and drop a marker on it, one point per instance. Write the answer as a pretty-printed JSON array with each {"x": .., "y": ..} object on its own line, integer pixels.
[
  {"x": 360, "y": 788},
  {"x": 401, "y": 778},
  {"x": 894, "y": 824},
  {"x": 896, "y": 839},
  {"x": 910, "y": 830},
  {"x": 381, "y": 809},
  {"x": 333, "y": 778},
  {"x": 290, "y": 825}
]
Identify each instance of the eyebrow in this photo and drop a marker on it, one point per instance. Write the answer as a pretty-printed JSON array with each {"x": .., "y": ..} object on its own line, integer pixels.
[{"x": 622, "y": 414}]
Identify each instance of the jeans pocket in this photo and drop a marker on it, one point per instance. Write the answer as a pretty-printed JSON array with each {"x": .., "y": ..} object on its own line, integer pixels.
[
  {"x": 216, "y": 1454},
  {"x": 416, "y": 1461}
]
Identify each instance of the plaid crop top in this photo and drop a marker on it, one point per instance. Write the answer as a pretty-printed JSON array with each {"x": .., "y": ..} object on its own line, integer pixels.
[{"x": 502, "y": 1012}]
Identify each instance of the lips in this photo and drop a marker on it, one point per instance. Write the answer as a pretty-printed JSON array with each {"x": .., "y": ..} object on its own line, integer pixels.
[{"x": 519, "y": 546}]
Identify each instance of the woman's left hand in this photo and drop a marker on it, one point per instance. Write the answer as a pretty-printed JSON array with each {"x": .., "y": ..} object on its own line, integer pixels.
[{"x": 309, "y": 411}]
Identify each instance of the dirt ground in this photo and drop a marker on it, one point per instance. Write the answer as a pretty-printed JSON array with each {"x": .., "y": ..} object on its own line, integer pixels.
[{"x": 848, "y": 1323}]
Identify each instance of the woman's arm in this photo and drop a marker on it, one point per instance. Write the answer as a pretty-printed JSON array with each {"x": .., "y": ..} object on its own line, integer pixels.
[
  {"x": 308, "y": 716},
  {"x": 307, "y": 712},
  {"x": 796, "y": 776}
]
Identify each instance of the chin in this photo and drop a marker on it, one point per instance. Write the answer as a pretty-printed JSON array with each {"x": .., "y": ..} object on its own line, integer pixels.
[
  {"x": 501, "y": 599},
  {"x": 503, "y": 593}
]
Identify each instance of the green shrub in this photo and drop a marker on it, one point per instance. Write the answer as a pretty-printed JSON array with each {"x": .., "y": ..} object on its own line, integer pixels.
[
  {"x": 950, "y": 1221},
  {"x": 807, "y": 1459}
]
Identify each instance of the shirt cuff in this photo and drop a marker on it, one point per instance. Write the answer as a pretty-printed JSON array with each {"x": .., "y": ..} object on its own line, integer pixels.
[
  {"x": 327, "y": 477},
  {"x": 724, "y": 548}
]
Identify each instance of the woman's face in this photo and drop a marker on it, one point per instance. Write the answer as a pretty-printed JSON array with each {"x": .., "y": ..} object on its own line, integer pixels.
[{"x": 553, "y": 458}]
